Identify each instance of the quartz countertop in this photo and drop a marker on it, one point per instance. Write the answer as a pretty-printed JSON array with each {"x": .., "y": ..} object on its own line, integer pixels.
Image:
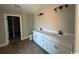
[{"x": 61, "y": 39}]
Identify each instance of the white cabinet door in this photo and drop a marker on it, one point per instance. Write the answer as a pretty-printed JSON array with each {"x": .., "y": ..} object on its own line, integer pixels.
[{"x": 36, "y": 37}]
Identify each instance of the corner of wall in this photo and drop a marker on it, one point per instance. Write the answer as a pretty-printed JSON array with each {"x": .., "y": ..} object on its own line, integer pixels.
[{"x": 4, "y": 44}]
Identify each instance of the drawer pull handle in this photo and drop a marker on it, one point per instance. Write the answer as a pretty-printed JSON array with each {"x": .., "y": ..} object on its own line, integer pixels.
[
  {"x": 43, "y": 40},
  {"x": 56, "y": 47}
]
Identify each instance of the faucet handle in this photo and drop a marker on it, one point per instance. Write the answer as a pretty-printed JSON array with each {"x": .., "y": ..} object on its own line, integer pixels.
[{"x": 60, "y": 32}]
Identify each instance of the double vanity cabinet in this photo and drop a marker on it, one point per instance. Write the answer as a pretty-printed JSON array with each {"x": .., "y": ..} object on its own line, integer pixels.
[{"x": 53, "y": 43}]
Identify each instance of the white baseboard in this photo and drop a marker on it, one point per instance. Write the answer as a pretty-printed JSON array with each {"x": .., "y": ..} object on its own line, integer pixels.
[
  {"x": 69, "y": 34},
  {"x": 4, "y": 44},
  {"x": 29, "y": 36},
  {"x": 24, "y": 38}
]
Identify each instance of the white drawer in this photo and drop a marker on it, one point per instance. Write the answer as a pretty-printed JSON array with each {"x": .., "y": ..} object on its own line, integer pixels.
[
  {"x": 57, "y": 49},
  {"x": 62, "y": 50}
]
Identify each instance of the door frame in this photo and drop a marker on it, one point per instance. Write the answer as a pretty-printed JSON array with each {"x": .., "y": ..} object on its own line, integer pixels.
[{"x": 6, "y": 26}]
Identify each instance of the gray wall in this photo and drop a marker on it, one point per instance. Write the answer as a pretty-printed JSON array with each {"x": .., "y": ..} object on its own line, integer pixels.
[
  {"x": 27, "y": 24},
  {"x": 77, "y": 30},
  {"x": 26, "y": 21},
  {"x": 61, "y": 20}
]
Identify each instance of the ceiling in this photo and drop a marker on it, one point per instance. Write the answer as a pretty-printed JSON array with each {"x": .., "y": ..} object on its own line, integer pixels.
[{"x": 30, "y": 8}]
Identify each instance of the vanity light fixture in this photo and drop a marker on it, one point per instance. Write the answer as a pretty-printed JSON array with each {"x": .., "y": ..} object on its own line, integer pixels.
[
  {"x": 61, "y": 7},
  {"x": 40, "y": 14},
  {"x": 66, "y": 5},
  {"x": 55, "y": 9}
]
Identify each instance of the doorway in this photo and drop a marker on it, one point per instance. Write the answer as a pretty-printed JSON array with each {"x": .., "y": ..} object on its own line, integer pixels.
[{"x": 13, "y": 28}]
